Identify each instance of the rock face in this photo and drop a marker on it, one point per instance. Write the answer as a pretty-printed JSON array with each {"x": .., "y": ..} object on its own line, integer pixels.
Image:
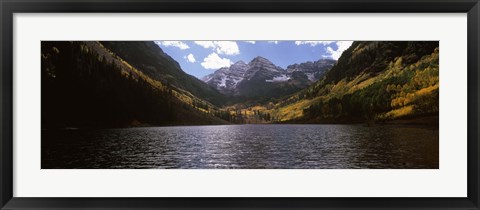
[
  {"x": 312, "y": 70},
  {"x": 261, "y": 68},
  {"x": 226, "y": 79},
  {"x": 261, "y": 78}
]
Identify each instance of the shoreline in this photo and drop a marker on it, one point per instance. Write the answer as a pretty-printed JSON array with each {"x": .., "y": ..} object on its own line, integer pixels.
[{"x": 425, "y": 121}]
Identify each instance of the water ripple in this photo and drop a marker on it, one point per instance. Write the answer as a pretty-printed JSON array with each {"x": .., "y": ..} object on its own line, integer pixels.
[{"x": 243, "y": 146}]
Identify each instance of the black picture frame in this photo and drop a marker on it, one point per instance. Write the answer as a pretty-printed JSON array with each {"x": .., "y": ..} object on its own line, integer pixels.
[{"x": 9, "y": 7}]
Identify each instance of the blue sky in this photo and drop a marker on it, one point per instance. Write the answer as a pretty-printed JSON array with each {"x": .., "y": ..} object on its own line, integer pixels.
[{"x": 200, "y": 58}]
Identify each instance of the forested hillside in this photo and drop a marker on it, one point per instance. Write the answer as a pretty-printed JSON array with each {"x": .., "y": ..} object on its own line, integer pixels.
[
  {"x": 85, "y": 85},
  {"x": 372, "y": 81},
  {"x": 152, "y": 61}
]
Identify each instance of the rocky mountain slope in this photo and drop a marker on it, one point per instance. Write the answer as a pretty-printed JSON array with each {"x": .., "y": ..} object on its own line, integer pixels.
[
  {"x": 313, "y": 70},
  {"x": 226, "y": 79}
]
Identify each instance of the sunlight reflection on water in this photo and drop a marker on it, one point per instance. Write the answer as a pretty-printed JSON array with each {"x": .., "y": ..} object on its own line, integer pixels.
[{"x": 243, "y": 146}]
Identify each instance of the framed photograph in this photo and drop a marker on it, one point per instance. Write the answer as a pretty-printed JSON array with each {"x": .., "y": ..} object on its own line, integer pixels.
[{"x": 239, "y": 105}]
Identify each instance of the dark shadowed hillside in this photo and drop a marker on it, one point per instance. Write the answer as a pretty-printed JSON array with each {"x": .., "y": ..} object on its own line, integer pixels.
[{"x": 83, "y": 85}]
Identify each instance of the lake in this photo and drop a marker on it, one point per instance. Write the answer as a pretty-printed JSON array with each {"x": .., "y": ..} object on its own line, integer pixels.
[{"x": 261, "y": 146}]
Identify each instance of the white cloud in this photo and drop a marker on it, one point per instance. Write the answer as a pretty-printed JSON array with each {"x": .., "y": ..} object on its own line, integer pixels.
[
  {"x": 213, "y": 61},
  {"x": 221, "y": 47},
  {"x": 190, "y": 58},
  {"x": 250, "y": 42},
  {"x": 331, "y": 53},
  {"x": 227, "y": 48},
  {"x": 178, "y": 44},
  {"x": 341, "y": 46},
  {"x": 314, "y": 43},
  {"x": 274, "y": 42},
  {"x": 205, "y": 44}
]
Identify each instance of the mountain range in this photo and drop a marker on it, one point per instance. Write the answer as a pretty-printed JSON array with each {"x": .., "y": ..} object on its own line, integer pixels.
[
  {"x": 117, "y": 84},
  {"x": 261, "y": 78}
]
